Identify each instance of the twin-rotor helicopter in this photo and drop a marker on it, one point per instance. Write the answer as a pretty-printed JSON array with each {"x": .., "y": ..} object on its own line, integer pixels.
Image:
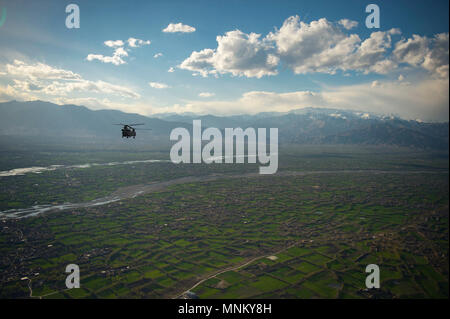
[{"x": 129, "y": 130}]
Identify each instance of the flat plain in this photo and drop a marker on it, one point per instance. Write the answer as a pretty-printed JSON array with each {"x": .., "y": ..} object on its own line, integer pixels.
[{"x": 307, "y": 232}]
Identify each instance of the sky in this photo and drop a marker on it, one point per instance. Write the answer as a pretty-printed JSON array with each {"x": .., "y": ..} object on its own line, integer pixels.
[{"x": 228, "y": 57}]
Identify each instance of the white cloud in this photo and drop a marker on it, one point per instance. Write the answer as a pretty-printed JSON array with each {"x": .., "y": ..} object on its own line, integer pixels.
[
  {"x": 436, "y": 60},
  {"x": 430, "y": 54},
  {"x": 321, "y": 47},
  {"x": 115, "y": 59},
  {"x": 136, "y": 43},
  {"x": 171, "y": 70},
  {"x": 114, "y": 44},
  {"x": 9, "y": 92},
  {"x": 371, "y": 54},
  {"x": 61, "y": 88},
  {"x": 105, "y": 59},
  {"x": 315, "y": 47},
  {"x": 158, "y": 85},
  {"x": 251, "y": 103},
  {"x": 200, "y": 62},
  {"x": 206, "y": 94},
  {"x": 157, "y": 55},
  {"x": 412, "y": 50},
  {"x": 318, "y": 46},
  {"x": 426, "y": 99},
  {"x": 27, "y": 86},
  {"x": 178, "y": 27},
  {"x": 348, "y": 24},
  {"x": 237, "y": 53},
  {"x": 39, "y": 71},
  {"x": 119, "y": 52},
  {"x": 38, "y": 80}
]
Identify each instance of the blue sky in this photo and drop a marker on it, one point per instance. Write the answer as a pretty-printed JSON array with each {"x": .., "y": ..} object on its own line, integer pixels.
[{"x": 313, "y": 61}]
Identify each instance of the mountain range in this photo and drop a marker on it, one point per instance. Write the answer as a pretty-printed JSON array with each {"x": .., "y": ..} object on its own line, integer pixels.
[{"x": 44, "y": 121}]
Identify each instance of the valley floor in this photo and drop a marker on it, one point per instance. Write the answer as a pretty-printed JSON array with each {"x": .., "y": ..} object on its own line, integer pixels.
[{"x": 226, "y": 232}]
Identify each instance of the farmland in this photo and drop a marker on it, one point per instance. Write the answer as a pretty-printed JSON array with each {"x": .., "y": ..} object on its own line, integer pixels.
[{"x": 279, "y": 236}]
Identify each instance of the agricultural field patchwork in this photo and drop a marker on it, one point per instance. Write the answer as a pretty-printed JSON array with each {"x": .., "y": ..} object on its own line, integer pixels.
[{"x": 289, "y": 236}]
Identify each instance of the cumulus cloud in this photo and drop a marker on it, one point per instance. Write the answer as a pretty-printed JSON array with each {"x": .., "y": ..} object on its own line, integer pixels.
[
  {"x": 136, "y": 43},
  {"x": 119, "y": 53},
  {"x": 114, "y": 44},
  {"x": 171, "y": 70},
  {"x": 158, "y": 85},
  {"x": 348, "y": 24},
  {"x": 157, "y": 55},
  {"x": 430, "y": 54},
  {"x": 178, "y": 27},
  {"x": 318, "y": 46},
  {"x": 371, "y": 54},
  {"x": 116, "y": 58},
  {"x": 206, "y": 94},
  {"x": 237, "y": 53},
  {"x": 436, "y": 60},
  {"x": 199, "y": 62},
  {"x": 412, "y": 50}
]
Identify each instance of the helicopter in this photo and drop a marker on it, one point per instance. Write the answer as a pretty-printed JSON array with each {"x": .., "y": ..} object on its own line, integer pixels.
[{"x": 129, "y": 130}]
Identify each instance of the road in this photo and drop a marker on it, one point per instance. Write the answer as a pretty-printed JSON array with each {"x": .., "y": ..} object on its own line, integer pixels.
[{"x": 233, "y": 268}]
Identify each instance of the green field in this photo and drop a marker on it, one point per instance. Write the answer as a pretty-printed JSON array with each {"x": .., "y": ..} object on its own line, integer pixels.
[{"x": 289, "y": 236}]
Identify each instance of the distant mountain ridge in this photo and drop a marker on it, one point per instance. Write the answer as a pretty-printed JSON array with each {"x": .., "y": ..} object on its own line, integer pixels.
[
  {"x": 303, "y": 126},
  {"x": 333, "y": 126},
  {"x": 48, "y": 119}
]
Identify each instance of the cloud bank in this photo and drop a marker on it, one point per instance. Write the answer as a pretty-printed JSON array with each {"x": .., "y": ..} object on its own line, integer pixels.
[
  {"x": 385, "y": 97},
  {"x": 320, "y": 46},
  {"x": 32, "y": 81}
]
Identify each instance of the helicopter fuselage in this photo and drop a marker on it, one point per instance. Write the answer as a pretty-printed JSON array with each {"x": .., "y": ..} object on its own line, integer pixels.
[{"x": 128, "y": 132}]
